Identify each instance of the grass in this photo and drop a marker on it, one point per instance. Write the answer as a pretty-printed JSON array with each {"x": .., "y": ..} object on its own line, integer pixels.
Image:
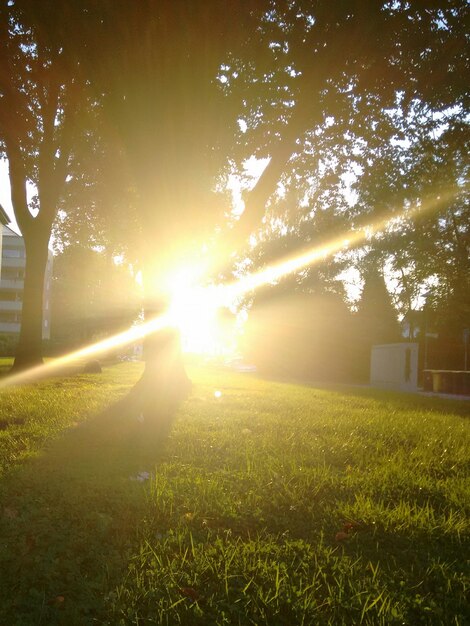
[{"x": 271, "y": 504}]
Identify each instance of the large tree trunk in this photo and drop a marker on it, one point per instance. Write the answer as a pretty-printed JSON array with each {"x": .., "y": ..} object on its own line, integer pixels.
[
  {"x": 165, "y": 377},
  {"x": 164, "y": 381},
  {"x": 29, "y": 350}
]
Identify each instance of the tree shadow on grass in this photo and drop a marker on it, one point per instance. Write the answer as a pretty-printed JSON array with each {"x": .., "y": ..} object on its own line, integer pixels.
[{"x": 71, "y": 517}]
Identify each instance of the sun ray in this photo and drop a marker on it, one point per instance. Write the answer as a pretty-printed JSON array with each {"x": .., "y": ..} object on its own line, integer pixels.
[
  {"x": 135, "y": 333},
  {"x": 198, "y": 305},
  {"x": 313, "y": 255}
]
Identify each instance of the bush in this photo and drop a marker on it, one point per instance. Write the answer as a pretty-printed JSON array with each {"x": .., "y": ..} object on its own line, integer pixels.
[{"x": 8, "y": 343}]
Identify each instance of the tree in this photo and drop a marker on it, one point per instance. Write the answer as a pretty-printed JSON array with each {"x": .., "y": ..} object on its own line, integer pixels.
[
  {"x": 346, "y": 64},
  {"x": 98, "y": 205},
  {"x": 376, "y": 319},
  {"x": 168, "y": 115},
  {"x": 38, "y": 111},
  {"x": 291, "y": 73},
  {"x": 299, "y": 334},
  {"x": 421, "y": 176},
  {"x": 299, "y": 64},
  {"x": 288, "y": 70},
  {"x": 91, "y": 296}
]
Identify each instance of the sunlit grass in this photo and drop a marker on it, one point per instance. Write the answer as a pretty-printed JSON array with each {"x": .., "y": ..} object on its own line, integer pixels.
[
  {"x": 30, "y": 415},
  {"x": 50, "y": 367},
  {"x": 244, "y": 519}
]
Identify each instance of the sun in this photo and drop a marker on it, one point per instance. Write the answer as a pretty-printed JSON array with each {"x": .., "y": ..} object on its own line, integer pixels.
[{"x": 200, "y": 314}]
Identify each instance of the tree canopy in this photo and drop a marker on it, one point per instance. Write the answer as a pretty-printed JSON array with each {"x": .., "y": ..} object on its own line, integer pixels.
[
  {"x": 40, "y": 100},
  {"x": 183, "y": 93},
  {"x": 92, "y": 296}
]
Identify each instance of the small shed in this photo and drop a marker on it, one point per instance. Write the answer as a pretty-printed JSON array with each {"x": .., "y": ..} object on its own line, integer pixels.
[{"x": 394, "y": 366}]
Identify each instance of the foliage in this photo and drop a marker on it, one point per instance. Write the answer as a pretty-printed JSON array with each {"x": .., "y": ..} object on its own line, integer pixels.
[
  {"x": 303, "y": 83},
  {"x": 429, "y": 241},
  {"x": 420, "y": 176},
  {"x": 272, "y": 503},
  {"x": 41, "y": 100},
  {"x": 315, "y": 93},
  {"x": 302, "y": 327},
  {"x": 302, "y": 335},
  {"x": 163, "y": 110},
  {"x": 375, "y": 321},
  {"x": 98, "y": 207},
  {"x": 91, "y": 296},
  {"x": 8, "y": 344}
]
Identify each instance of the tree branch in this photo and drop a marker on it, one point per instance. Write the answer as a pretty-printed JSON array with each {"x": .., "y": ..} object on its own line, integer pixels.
[{"x": 55, "y": 167}]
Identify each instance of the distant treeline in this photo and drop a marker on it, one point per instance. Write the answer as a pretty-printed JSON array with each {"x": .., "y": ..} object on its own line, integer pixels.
[{"x": 311, "y": 337}]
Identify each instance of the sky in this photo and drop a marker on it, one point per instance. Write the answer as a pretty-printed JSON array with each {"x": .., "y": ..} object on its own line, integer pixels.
[{"x": 5, "y": 198}]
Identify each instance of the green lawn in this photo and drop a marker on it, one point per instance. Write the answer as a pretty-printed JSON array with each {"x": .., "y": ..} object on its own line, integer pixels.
[{"x": 271, "y": 504}]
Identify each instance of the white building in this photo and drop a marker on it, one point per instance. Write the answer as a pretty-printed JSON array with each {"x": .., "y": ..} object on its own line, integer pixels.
[
  {"x": 12, "y": 265},
  {"x": 395, "y": 366}
]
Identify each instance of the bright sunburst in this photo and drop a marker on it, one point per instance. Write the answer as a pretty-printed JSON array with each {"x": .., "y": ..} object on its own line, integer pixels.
[{"x": 198, "y": 311}]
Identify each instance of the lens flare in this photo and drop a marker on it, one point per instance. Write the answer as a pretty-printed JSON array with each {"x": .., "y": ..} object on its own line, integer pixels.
[
  {"x": 194, "y": 309},
  {"x": 121, "y": 339},
  {"x": 313, "y": 255}
]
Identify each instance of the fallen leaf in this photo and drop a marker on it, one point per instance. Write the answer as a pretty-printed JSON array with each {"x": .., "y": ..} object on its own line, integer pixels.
[
  {"x": 349, "y": 526},
  {"x": 57, "y": 601},
  {"x": 189, "y": 592},
  {"x": 341, "y": 536}
]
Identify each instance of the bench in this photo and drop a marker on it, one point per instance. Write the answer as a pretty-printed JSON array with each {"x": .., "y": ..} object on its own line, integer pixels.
[{"x": 447, "y": 381}]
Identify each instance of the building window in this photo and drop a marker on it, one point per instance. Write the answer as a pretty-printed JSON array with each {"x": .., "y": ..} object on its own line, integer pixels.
[
  {"x": 10, "y": 317},
  {"x": 12, "y": 273},
  {"x": 9, "y": 296},
  {"x": 10, "y": 253}
]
